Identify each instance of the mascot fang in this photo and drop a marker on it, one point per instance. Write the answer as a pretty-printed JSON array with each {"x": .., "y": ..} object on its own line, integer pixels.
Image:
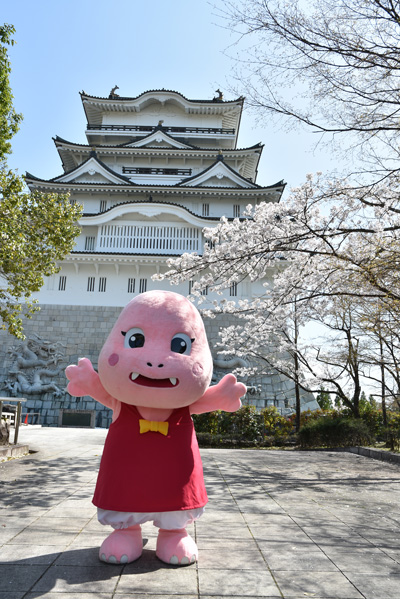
[{"x": 154, "y": 372}]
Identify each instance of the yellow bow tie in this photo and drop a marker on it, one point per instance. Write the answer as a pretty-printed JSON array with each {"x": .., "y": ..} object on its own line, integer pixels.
[{"x": 154, "y": 426}]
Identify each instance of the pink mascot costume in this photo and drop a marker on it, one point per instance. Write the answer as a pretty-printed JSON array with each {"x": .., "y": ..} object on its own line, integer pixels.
[{"x": 154, "y": 372}]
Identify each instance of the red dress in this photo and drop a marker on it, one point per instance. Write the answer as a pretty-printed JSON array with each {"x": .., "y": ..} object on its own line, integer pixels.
[{"x": 150, "y": 472}]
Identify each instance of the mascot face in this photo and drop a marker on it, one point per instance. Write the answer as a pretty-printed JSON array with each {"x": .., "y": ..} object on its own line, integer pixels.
[{"x": 157, "y": 354}]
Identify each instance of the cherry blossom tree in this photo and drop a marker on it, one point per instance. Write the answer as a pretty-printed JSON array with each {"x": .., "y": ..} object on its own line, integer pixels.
[{"x": 324, "y": 249}]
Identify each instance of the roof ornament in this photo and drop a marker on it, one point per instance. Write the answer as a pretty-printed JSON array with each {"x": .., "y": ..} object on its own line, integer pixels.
[
  {"x": 160, "y": 123},
  {"x": 220, "y": 96},
  {"x": 220, "y": 155},
  {"x": 112, "y": 92}
]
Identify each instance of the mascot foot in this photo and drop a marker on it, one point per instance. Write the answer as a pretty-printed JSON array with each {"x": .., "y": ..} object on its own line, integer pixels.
[
  {"x": 122, "y": 546},
  {"x": 176, "y": 547}
]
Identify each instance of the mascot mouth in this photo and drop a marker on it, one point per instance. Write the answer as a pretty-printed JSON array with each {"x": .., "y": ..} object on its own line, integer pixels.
[{"x": 140, "y": 379}]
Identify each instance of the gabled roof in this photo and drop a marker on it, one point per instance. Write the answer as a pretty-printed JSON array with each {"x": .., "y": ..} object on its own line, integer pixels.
[
  {"x": 157, "y": 137},
  {"x": 94, "y": 170},
  {"x": 223, "y": 173}
]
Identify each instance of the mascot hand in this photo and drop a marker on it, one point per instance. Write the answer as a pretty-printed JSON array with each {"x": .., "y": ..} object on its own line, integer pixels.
[
  {"x": 230, "y": 392},
  {"x": 82, "y": 378},
  {"x": 223, "y": 396}
]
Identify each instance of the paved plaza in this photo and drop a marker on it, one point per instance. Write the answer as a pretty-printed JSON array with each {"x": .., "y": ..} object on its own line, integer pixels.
[{"x": 279, "y": 524}]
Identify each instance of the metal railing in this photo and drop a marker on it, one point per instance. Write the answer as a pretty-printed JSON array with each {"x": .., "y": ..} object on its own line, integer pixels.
[
  {"x": 174, "y": 130},
  {"x": 144, "y": 170}
]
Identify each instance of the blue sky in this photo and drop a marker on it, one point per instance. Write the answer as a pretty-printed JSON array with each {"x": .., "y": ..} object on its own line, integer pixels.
[{"x": 65, "y": 47}]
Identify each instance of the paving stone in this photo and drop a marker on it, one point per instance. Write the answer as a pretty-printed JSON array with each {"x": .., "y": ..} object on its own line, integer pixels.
[
  {"x": 366, "y": 562},
  {"x": 316, "y": 584},
  {"x": 30, "y": 535},
  {"x": 226, "y": 583},
  {"x": 158, "y": 580},
  {"x": 376, "y": 586},
  {"x": 67, "y": 595},
  {"x": 225, "y": 531},
  {"x": 60, "y": 524},
  {"x": 8, "y": 533},
  {"x": 225, "y": 545},
  {"x": 89, "y": 556},
  {"x": 309, "y": 561},
  {"x": 26, "y": 555},
  {"x": 232, "y": 559},
  {"x": 14, "y": 578},
  {"x": 80, "y": 579}
]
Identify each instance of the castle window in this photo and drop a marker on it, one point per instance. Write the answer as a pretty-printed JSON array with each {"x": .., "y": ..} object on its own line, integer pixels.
[
  {"x": 236, "y": 210},
  {"x": 90, "y": 283},
  {"x": 233, "y": 289},
  {"x": 205, "y": 210},
  {"x": 103, "y": 205},
  {"x": 190, "y": 286},
  {"x": 62, "y": 281},
  {"x": 142, "y": 285},
  {"x": 102, "y": 283},
  {"x": 204, "y": 291},
  {"x": 131, "y": 285},
  {"x": 89, "y": 243}
]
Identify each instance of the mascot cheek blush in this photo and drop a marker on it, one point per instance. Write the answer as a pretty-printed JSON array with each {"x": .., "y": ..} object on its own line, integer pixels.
[{"x": 154, "y": 372}]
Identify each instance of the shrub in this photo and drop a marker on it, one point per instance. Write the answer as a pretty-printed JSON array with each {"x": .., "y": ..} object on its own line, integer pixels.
[
  {"x": 392, "y": 431},
  {"x": 374, "y": 420},
  {"x": 246, "y": 427},
  {"x": 276, "y": 425},
  {"x": 207, "y": 423},
  {"x": 248, "y": 424},
  {"x": 332, "y": 431}
]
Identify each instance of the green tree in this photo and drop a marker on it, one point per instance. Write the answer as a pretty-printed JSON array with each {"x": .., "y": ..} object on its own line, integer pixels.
[
  {"x": 324, "y": 399},
  {"x": 36, "y": 230},
  {"x": 9, "y": 119}
]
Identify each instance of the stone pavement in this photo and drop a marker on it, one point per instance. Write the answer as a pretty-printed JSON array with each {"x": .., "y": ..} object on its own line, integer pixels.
[{"x": 279, "y": 524}]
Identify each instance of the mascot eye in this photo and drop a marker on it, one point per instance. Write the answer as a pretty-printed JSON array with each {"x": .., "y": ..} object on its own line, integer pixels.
[
  {"x": 133, "y": 338},
  {"x": 181, "y": 344}
]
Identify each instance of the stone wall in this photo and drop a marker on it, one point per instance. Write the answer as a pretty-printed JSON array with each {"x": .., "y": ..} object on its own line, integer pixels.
[{"x": 80, "y": 331}]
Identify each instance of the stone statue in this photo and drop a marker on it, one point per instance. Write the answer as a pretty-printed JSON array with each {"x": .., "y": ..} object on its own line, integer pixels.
[
  {"x": 33, "y": 359},
  {"x": 220, "y": 365}
]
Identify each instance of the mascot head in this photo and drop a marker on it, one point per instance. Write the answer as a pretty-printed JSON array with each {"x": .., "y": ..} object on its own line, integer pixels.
[{"x": 157, "y": 354}]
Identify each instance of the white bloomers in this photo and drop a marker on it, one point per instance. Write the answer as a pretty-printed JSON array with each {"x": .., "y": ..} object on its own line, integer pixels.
[{"x": 167, "y": 520}]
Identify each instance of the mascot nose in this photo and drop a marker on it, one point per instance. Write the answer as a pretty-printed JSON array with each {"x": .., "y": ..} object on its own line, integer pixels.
[{"x": 150, "y": 364}]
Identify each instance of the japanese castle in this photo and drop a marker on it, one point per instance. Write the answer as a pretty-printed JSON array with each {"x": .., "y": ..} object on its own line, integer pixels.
[{"x": 156, "y": 170}]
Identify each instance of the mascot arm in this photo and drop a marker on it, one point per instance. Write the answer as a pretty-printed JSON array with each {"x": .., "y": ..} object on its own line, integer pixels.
[
  {"x": 84, "y": 380},
  {"x": 223, "y": 396}
]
